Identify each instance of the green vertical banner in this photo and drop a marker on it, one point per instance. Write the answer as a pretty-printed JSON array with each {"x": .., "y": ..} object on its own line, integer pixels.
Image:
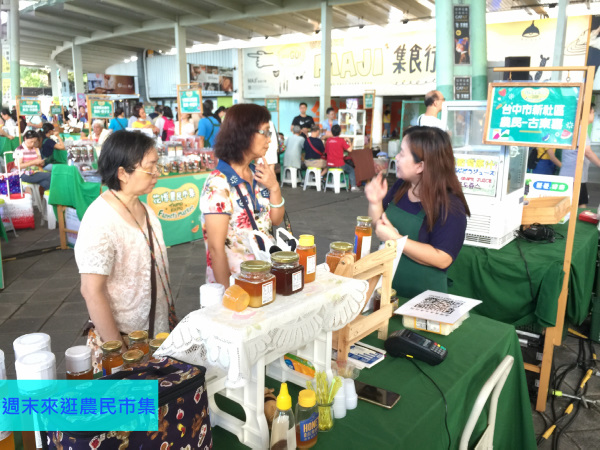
[
  {"x": 191, "y": 102},
  {"x": 369, "y": 101},
  {"x": 272, "y": 104},
  {"x": 101, "y": 109},
  {"x": 30, "y": 106},
  {"x": 533, "y": 114},
  {"x": 56, "y": 109}
]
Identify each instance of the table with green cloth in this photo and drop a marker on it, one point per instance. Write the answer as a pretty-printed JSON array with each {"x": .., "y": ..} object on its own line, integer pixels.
[
  {"x": 74, "y": 136},
  {"x": 174, "y": 199},
  {"x": 8, "y": 145},
  {"x": 499, "y": 278},
  {"x": 475, "y": 350}
]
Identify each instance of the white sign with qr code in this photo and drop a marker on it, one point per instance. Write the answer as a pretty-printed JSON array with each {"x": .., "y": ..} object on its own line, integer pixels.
[{"x": 436, "y": 306}]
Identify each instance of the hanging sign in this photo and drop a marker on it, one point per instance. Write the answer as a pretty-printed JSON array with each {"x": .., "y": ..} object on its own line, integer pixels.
[
  {"x": 190, "y": 102},
  {"x": 531, "y": 114},
  {"x": 462, "y": 48},
  {"x": 100, "y": 107},
  {"x": 272, "y": 104},
  {"x": 55, "y": 109},
  {"x": 369, "y": 100},
  {"x": 462, "y": 88}
]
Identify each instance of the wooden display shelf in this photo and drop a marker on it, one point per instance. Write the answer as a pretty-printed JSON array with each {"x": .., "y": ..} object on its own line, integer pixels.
[{"x": 545, "y": 210}]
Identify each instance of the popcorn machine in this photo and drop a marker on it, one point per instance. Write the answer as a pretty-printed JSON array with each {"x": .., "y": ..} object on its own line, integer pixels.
[{"x": 492, "y": 177}]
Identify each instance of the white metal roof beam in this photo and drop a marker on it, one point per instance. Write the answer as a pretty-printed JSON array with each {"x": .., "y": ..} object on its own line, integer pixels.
[
  {"x": 411, "y": 7},
  {"x": 231, "y": 5},
  {"x": 257, "y": 26},
  {"x": 43, "y": 36},
  {"x": 225, "y": 31},
  {"x": 189, "y": 7},
  {"x": 292, "y": 23},
  {"x": 68, "y": 20},
  {"x": 200, "y": 36},
  {"x": 366, "y": 14},
  {"x": 144, "y": 8},
  {"x": 276, "y": 3},
  {"x": 69, "y": 32},
  {"x": 109, "y": 17}
]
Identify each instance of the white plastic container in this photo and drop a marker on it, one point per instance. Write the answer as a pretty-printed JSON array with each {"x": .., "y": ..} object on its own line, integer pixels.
[
  {"x": 339, "y": 404},
  {"x": 351, "y": 395},
  {"x": 78, "y": 359},
  {"x": 36, "y": 366},
  {"x": 211, "y": 294},
  {"x": 30, "y": 343},
  {"x": 2, "y": 366}
]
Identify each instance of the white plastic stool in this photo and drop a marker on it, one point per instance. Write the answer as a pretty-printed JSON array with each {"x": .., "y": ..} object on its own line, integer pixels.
[
  {"x": 50, "y": 217},
  {"x": 392, "y": 166},
  {"x": 36, "y": 198},
  {"x": 316, "y": 182},
  {"x": 290, "y": 175},
  {"x": 334, "y": 179}
]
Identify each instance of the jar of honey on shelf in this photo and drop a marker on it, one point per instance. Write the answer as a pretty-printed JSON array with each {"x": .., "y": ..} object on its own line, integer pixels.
[
  {"x": 139, "y": 340},
  {"x": 307, "y": 250},
  {"x": 132, "y": 358},
  {"x": 78, "y": 360},
  {"x": 112, "y": 361},
  {"x": 256, "y": 279},
  {"x": 377, "y": 300},
  {"x": 289, "y": 274},
  {"x": 154, "y": 345},
  {"x": 336, "y": 251},
  {"x": 362, "y": 236}
]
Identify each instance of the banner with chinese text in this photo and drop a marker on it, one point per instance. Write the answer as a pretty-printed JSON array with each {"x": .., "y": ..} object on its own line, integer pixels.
[
  {"x": 462, "y": 47},
  {"x": 190, "y": 101},
  {"x": 30, "y": 106},
  {"x": 531, "y": 114},
  {"x": 101, "y": 108}
]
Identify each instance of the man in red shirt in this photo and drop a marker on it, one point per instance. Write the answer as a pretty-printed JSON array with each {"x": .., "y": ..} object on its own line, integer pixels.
[{"x": 334, "y": 150}]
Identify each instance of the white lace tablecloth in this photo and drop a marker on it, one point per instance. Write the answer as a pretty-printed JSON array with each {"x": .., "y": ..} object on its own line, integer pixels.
[{"x": 220, "y": 338}]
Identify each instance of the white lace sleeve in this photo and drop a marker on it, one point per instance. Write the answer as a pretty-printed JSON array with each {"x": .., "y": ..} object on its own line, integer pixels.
[{"x": 94, "y": 249}]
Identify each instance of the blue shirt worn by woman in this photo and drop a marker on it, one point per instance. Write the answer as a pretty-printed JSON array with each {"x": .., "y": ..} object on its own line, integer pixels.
[{"x": 118, "y": 124}]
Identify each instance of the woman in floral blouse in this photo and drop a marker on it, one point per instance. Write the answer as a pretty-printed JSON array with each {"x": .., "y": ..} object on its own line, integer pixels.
[{"x": 244, "y": 137}]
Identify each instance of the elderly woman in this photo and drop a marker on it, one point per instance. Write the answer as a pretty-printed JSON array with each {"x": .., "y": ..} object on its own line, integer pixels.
[
  {"x": 238, "y": 188},
  {"x": 120, "y": 251},
  {"x": 98, "y": 133}
]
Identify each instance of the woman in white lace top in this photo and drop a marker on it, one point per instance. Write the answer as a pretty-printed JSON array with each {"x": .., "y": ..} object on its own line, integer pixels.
[{"x": 113, "y": 249}]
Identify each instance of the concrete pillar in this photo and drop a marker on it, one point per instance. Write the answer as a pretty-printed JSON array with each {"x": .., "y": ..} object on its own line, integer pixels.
[
  {"x": 479, "y": 82},
  {"x": 78, "y": 70},
  {"x": 559, "y": 40},
  {"x": 180, "y": 39},
  {"x": 15, "y": 50},
  {"x": 444, "y": 53},
  {"x": 377, "y": 128},
  {"x": 64, "y": 85},
  {"x": 325, "y": 92},
  {"x": 142, "y": 87},
  {"x": 55, "y": 79}
]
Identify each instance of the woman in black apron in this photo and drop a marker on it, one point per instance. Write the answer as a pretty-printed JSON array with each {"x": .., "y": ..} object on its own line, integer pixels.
[{"x": 427, "y": 205}]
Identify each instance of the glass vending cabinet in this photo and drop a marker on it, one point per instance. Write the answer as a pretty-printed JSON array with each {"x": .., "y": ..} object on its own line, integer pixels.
[
  {"x": 353, "y": 123},
  {"x": 492, "y": 177}
]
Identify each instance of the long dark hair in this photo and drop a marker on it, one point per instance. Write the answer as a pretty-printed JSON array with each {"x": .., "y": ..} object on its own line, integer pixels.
[{"x": 438, "y": 179}]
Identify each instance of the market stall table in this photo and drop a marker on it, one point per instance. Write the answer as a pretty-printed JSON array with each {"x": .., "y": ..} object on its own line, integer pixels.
[
  {"x": 8, "y": 145},
  {"x": 499, "y": 278},
  {"x": 174, "y": 199},
  {"x": 417, "y": 421}
]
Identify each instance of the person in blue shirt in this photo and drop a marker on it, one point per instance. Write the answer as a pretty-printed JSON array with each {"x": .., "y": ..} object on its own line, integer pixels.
[
  {"x": 329, "y": 122},
  {"x": 119, "y": 123},
  {"x": 209, "y": 126}
]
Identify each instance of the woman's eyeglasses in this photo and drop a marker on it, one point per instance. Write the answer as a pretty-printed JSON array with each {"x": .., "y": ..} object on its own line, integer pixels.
[
  {"x": 265, "y": 133},
  {"x": 157, "y": 171}
]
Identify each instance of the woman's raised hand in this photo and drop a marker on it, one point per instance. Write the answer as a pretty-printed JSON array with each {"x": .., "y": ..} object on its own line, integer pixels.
[
  {"x": 376, "y": 189},
  {"x": 265, "y": 175}
]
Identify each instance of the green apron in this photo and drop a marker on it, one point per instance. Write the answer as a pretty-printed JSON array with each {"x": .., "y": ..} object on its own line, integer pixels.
[{"x": 412, "y": 278}]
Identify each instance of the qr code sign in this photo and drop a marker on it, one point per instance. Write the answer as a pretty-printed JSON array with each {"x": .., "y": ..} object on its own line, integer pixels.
[{"x": 438, "y": 305}]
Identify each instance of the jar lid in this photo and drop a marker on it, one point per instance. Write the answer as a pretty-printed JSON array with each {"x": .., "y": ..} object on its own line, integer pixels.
[
  {"x": 155, "y": 343},
  {"x": 133, "y": 356},
  {"x": 341, "y": 246},
  {"x": 255, "y": 266},
  {"x": 392, "y": 293},
  {"x": 112, "y": 346},
  {"x": 139, "y": 335},
  {"x": 306, "y": 240},
  {"x": 365, "y": 219},
  {"x": 161, "y": 336},
  {"x": 307, "y": 398},
  {"x": 29, "y": 367},
  {"x": 29, "y": 343},
  {"x": 285, "y": 257},
  {"x": 78, "y": 358}
]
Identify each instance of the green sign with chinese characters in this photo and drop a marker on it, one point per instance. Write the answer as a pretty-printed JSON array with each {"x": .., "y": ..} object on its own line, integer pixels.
[
  {"x": 272, "y": 105},
  {"x": 533, "y": 114},
  {"x": 369, "y": 101},
  {"x": 101, "y": 109},
  {"x": 55, "y": 109},
  {"x": 149, "y": 109},
  {"x": 190, "y": 102},
  {"x": 30, "y": 107}
]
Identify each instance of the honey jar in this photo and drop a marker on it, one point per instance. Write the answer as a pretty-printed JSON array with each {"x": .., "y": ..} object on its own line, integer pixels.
[
  {"x": 139, "y": 340},
  {"x": 132, "y": 358},
  {"x": 362, "y": 236},
  {"x": 154, "y": 345},
  {"x": 336, "y": 251},
  {"x": 377, "y": 300},
  {"x": 308, "y": 256},
  {"x": 256, "y": 279},
  {"x": 289, "y": 273},
  {"x": 112, "y": 361}
]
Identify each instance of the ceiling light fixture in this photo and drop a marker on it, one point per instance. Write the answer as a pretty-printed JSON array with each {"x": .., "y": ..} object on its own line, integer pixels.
[{"x": 531, "y": 31}]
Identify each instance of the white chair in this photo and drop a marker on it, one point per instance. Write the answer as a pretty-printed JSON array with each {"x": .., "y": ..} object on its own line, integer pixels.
[
  {"x": 316, "y": 178},
  {"x": 290, "y": 175},
  {"x": 37, "y": 199},
  {"x": 494, "y": 383},
  {"x": 50, "y": 216},
  {"x": 336, "y": 179},
  {"x": 392, "y": 166}
]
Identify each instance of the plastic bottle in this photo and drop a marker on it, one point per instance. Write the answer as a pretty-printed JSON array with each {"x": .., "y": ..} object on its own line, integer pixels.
[
  {"x": 78, "y": 360},
  {"x": 308, "y": 256},
  {"x": 283, "y": 435},
  {"x": 308, "y": 419},
  {"x": 7, "y": 440}
]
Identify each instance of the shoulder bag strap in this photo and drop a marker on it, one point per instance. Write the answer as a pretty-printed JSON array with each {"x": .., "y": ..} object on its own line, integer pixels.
[
  {"x": 152, "y": 277},
  {"x": 261, "y": 244},
  {"x": 313, "y": 147}
]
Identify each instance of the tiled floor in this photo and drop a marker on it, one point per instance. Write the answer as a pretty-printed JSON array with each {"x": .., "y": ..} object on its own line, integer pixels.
[{"x": 42, "y": 293}]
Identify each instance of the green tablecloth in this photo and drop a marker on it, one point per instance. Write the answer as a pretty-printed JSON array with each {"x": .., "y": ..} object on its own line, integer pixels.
[
  {"x": 417, "y": 421},
  {"x": 8, "y": 145},
  {"x": 178, "y": 212},
  {"x": 74, "y": 136},
  {"x": 499, "y": 278}
]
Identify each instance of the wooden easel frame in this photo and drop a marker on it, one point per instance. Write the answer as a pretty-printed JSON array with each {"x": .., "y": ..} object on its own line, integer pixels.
[
  {"x": 554, "y": 334},
  {"x": 18, "y": 99},
  {"x": 372, "y": 109},
  {"x": 99, "y": 97},
  {"x": 267, "y": 106},
  {"x": 184, "y": 88},
  {"x": 371, "y": 267}
]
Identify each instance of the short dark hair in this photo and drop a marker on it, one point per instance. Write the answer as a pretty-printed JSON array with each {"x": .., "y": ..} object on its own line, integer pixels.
[
  {"x": 336, "y": 130},
  {"x": 118, "y": 112},
  {"x": 167, "y": 112},
  {"x": 159, "y": 109},
  {"x": 237, "y": 132},
  {"x": 207, "y": 107},
  {"x": 122, "y": 149},
  {"x": 314, "y": 127},
  {"x": 303, "y": 104},
  {"x": 30, "y": 134},
  {"x": 136, "y": 109},
  {"x": 46, "y": 128},
  {"x": 329, "y": 110}
]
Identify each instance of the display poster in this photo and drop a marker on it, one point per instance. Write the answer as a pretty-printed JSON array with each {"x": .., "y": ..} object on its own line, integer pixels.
[
  {"x": 462, "y": 48},
  {"x": 5, "y": 56},
  {"x": 272, "y": 104},
  {"x": 190, "y": 101},
  {"x": 369, "y": 101},
  {"x": 462, "y": 88},
  {"x": 529, "y": 115},
  {"x": 101, "y": 108},
  {"x": 212, "y": 78},
  {"x": 6, "y": 94},
  {"x": 30, "y": 106},
  {"x": 101, "y": 83},
  {"x": 55, "y": 109},
  {"x": 149, "y": 109},
  {"x": 477, "y": 174}
]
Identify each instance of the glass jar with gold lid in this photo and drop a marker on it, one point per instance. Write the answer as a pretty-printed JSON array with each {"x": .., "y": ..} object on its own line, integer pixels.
[
  {"x": 256, "y": 279},
  {"x": 336, "y": 251},
  {"x": 289, "y": 273},
  {"x": 154, "y": 345},
  {"x": 132, "y": 358},
  {"x": 112, "y": 360},
  {"x": 139, "y": 339}
]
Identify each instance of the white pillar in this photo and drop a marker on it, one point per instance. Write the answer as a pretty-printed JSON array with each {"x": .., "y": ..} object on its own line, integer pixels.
[
  {"x": 78, "y": 71},
  {"x": 64, "y": 85},
  {"x": 238, "y": 74},
  {"x": 180, "y": 39},
  {"x": 559, "y": 40},
  {"x": 15, "y": 50},
  {"x": 55, "y": 79},
  {"x": 377, "y": 124},
  {"x": 325, "y": 94}
]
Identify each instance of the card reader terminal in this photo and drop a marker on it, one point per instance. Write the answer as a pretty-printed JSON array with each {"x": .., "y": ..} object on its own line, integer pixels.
[{"x": 412, "y": 345}]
